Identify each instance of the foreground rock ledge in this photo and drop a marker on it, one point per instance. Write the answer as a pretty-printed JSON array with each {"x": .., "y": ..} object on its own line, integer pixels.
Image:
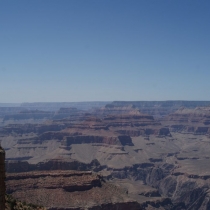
[
  {"x": 67, "y": 190},
  {"x": 72, "y": 190}
]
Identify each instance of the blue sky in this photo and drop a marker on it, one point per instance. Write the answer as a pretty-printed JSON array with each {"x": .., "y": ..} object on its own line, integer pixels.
[{"x": 104, "y": 50}]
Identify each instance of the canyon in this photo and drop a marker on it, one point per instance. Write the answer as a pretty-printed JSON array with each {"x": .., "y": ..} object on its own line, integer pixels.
[{"x": 119, "y": 155}]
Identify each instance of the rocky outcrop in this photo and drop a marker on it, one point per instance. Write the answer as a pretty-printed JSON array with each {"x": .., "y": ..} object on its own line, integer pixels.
[
  {"x": 77, "y": 190},
  {"x": 68, "y": 190},
  {"x": 2, "y": 179},
  {"x": 69, "y": 180}
]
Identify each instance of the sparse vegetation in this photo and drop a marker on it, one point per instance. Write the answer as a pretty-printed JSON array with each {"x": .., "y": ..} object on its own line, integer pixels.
[{"x": 13, "y": 204}]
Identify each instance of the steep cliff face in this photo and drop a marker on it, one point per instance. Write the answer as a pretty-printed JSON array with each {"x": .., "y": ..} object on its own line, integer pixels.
[{"x": 2, "y": 178}]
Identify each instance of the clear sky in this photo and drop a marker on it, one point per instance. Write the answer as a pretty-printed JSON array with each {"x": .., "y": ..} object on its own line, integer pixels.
[{"x": 104, "y": 50}]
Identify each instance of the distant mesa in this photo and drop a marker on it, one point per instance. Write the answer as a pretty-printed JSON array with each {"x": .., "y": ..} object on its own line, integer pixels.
[{"x": 160, "y": 108}]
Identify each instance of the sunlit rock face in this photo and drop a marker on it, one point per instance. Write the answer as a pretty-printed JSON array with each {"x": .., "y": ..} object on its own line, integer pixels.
[{"x": 2, "y": 178}]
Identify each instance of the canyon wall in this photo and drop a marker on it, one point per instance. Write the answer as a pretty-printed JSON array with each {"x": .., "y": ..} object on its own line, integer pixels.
[{"x": 2, "y": 178}]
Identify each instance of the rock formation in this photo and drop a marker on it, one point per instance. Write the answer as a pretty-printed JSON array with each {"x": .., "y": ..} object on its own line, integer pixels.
[
  {"x": 196, "y": 121},
  {"x": 68, "y": 190},
  {"x": 2, "y": 179}
]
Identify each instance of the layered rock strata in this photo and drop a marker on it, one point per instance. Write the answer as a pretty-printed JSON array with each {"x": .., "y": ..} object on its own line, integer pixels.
[
  {"x": 196, "y": 121},
  {"x": 160, "y": 109},
  {"x": 68, "y": 190}
]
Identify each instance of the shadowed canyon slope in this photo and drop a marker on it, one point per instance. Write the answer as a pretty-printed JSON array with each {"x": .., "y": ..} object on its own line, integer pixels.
[{"x": 152, "y": 159}]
